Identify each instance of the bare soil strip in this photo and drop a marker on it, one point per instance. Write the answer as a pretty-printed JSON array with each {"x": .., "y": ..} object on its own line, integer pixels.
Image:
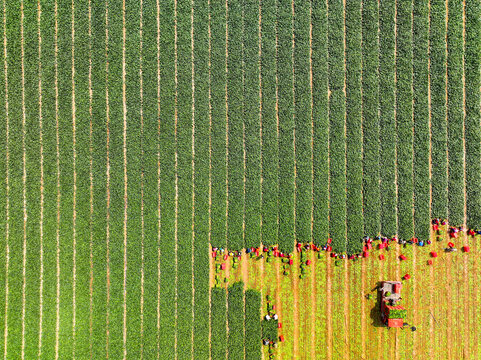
[
  {"x": 57, "y": 303},
  {"x": 91, "y": 279},
  {"x": 74, "y": 210},
  {"x": 124, "y": 107},
  {"x": 108, "y": 174},
  {"x": 24, "y": 181},
  {"x": 7, "y": 205},
  {"x": 40, "y": 119}
]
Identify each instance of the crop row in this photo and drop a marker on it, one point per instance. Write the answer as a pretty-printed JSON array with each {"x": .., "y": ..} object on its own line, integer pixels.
[
  {"x": 184, "y": 182},
  {"x": 422, "y": 184},
  {"x": 252, "y": 125},
  {"x": 32, "y": 182},
  {"x": 218, "y": 130},
  {"x": 320, "y": 116},
  {"x": 437, "y": 55},
  {"x": 252, "y": 325},
  {"x": 83, "y": 221},
  {"x": 404, "y": 119},
  {"x": 235, "y": 316},
  {"x": 135, "y": 142},
  {"x": 201, "y": 181},
  {"x": 286, "y": 127},
  {"x": 455, "y": 113},
  {"x": 66, "y": 189},
  {"x": 270, "y": 149},
  {"x": 370, "y": 117},
  {"x": 3, "y": 192},
  {"x": 99, "y": 171},
  {"x": 303, "y": 121},
  {"x": 235, "y": 165},
  {"x": 355, "y": 226},
  {"x": 218, "y": 345},
  {"x": 387, "y": 122},
  {"x": 472, "y": 128},
  {"x": 337, "y": 136}
]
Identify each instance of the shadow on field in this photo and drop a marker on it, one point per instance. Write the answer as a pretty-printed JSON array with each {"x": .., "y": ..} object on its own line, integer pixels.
[{"x": 376, "y": 310}]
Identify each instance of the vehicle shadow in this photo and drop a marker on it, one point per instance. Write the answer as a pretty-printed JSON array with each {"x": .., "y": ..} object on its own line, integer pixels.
[{"x": 376, "y": 310}]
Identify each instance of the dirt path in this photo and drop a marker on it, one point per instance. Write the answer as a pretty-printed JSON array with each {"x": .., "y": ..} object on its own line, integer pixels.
[
  {"x": 57, "y": 302},
  {"x": 91, "y": 279},
  {"x": 40, "y": 119},
  {"x": 7, "y": 181},
  {"x": 24, "y": 181},
  {"x": 74, "y": 210}
]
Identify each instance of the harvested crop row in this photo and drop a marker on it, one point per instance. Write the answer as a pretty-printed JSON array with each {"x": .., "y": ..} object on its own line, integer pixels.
[
  {"x": 422, "y": 216},
  {"x": 270, "y": 149},
  {"x": 235, "y": 162},
  {"x": 303, "y": 124},
  {"x": 404, "y": 120},
  {"x": 437, "y": 55},
  {"x": 320, "y": 115},
  {"x": 218, "y": 345},
  {"x": 252, "y": 125},
  {"x": 33, "y": 175},
  {"x": 370, "y": 117},
  {"x": 286, "y": 126},
  {"x": 201, "y": 181},
  {"x": 236, "y": 319},
  {"x": 355, "y": 226},
  {"x": 99, "y": 143},
  {"x": 66, "y": 186},
  {"x": 387, "y": 122},
  {"x": 337, "y": 136},
  {"x": 184, "y": 181},
  {"x": 455, "y": 113},
  {"x": 82, "y": 135},
  {"x": 472, "y": 121},
  {"x": 218, "y": 131}
]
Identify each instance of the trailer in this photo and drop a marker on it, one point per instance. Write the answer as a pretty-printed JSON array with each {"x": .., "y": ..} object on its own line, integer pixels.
[{"x": 392, "y": 314}]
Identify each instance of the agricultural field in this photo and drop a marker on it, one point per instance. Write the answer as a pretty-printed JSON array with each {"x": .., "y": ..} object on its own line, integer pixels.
[{"x": 157, "y": 157}]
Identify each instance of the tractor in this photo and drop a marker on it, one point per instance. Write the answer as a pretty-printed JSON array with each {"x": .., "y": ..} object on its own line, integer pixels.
[{"x": 392, "y": 314}]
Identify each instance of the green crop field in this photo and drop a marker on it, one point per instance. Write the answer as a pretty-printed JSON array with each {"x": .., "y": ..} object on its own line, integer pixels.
[{"x": 138, "y": 138}]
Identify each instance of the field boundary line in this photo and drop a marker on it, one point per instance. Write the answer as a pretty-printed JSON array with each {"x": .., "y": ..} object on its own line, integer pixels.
[
  {"x": 124, "y": 148},
  {"x": 74, "y": 210},
  {"x": 7, "y": 205},
  {"x": 192, "y": 167},
  {"x": 176, "y": 179},
  {"x": 24, "y": 181},
  {"x": 107, "y": 237},
  {"x": 91, "y": 279},
  {"x": 141, "y": 82},
  {"x": 40, "y": 119},
  {"x": 57, "y": 301}
]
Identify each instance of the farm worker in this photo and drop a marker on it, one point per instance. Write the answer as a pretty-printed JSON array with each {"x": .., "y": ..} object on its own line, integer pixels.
[
  {"x": 268, "y": 317},
  {"x": 435, "y": 227},
  {"x": 436, "y": 221},
  {"x": 275, "y": 317},
  {"x": 443, "y": 222},
  {"x": 471, "y": 232}
]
